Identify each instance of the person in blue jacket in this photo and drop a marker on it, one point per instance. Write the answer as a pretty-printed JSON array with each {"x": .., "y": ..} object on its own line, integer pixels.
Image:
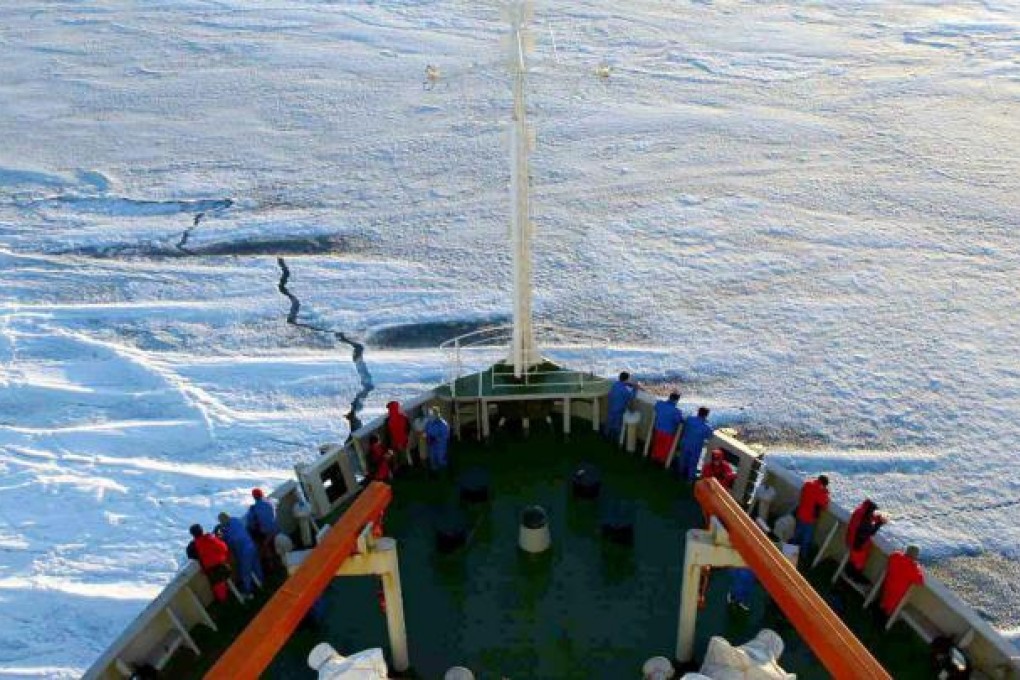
[
  {"x": 668, "y": 419},
  {"x": 437, "y": 436},
  {"x": 742, "y": 582},
  {"x": 246, "y": 555},
  {"x": 621, "y": 394},
  {"x": 261, "y": 524},
  {"x": 697, "y": 431},
  {"x": 261, "y": 518}
]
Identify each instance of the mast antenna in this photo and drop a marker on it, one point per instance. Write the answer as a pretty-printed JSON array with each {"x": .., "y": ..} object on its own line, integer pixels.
[{"x": 523, "y": 352}]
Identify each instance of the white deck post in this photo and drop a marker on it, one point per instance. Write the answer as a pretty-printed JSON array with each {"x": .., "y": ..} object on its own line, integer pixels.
[
  {"x": 485, "y": 419},
  {"x": 688, "y": 607},
  {"x": 381, "y": 560},
  {"x": 394, "y": 605},
  {"x": 703, "y": 549}
]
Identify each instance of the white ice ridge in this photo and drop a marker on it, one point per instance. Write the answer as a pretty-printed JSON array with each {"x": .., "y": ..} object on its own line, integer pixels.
[{"x": 112, "y": 591}]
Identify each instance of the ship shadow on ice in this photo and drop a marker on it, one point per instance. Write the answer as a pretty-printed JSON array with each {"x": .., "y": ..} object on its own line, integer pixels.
[
  {"x": 324, "y": 244},
  {"x": 427, "y": 334},
  {"x": 780, "y": 435}
]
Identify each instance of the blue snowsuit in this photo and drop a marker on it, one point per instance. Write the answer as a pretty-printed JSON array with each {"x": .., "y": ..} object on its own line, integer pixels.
[
  {"x": 437, "y": 434},
  {"x": 246, "y": 555},
  {"x": 667, "y": 417},
  {"x": 620, "y": 395},
  {"x": 261, "y": 519},
  {"x": 696, "y": 433},
  {"x": 742, "y": 582}
]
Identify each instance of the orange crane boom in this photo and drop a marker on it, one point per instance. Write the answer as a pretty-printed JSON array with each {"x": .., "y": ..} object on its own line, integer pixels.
[
  {"x": 255, "y": 647},
  {"x": 836, "y": 647}
]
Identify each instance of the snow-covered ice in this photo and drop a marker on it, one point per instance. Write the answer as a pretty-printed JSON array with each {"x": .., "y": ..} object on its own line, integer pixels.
[{"x": 804, "y": 213}]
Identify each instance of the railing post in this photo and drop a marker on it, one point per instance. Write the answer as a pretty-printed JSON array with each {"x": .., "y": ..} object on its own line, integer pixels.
[{"x": 456, "y": 367}]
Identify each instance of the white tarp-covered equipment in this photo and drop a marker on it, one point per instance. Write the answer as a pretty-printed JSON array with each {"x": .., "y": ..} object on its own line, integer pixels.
[
  {"x": 755, "y": 660},
  {"x": 367, "y": 665}
]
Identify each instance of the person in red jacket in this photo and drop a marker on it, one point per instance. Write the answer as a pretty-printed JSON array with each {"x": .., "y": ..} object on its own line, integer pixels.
[
  {"x": 380, "y": 461},
  {"x": 398, "y": 427},
  {"x": 902, "y": 572},
  {"x": 213, "y": 556},
  {"x": 719, "y": 468},
  {"x": 814, "y": 498},
  {"x": 864, "y": 524}
]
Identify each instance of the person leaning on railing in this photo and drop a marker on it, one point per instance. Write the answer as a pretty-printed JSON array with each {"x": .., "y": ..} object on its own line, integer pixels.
[
  {"x": 864, "y": 524},
  {"x": 260, "y": 521},
  {"x": 213, "y": 556},
  {"x": 902, "y": 571},
  {"x": 398, "y": 431},
  {"x": 621, "y": 393},
  {"x": 668, "y": 419},
  {"x": 814, "y": 499},
  {"x": 696, "y": 431},
  {"x": 242, "y": 547}
]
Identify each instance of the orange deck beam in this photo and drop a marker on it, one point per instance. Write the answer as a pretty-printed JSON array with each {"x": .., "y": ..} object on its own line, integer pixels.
[
  {"x": 832, "y": 642},
  {"x": 255, "y": 647}
]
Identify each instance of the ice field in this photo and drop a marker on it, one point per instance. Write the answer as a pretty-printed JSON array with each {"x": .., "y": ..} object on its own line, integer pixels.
[{"x": 804, "y": 214}]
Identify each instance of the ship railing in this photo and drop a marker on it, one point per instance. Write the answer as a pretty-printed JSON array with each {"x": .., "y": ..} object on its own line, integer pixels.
[
  {"x": 336, "y": 476},
  {"x": 161, "y": 629},
  {"x": 931, "y": 610},
  {"x": 484, "y": 353}
]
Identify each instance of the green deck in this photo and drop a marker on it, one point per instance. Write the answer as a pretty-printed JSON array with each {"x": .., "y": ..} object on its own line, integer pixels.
[{"x": 587, "y": 609}]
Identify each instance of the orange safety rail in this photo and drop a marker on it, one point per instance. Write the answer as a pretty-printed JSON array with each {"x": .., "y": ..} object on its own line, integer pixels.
[
  {"x": 832, "y": 642},
  {"x": 255, "y": 647}
]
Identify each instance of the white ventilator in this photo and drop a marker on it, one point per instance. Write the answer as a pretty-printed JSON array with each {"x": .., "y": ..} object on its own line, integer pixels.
[
  {"x": 523, "y": 352},
  {"x": 367, "y": 665},
  {"x": 658, "y": 668}
]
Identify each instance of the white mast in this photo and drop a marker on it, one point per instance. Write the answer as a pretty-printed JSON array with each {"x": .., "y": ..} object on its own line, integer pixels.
[{"x": 523, "y": 352}]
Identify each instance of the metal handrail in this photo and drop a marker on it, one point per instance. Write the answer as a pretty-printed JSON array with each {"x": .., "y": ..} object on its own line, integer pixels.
[{"x": 496, "y": 339}]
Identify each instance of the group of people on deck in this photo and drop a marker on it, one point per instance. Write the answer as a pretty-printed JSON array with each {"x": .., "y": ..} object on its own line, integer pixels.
[
  {"x": 385, "y": 459},
  {"x": 672, "y": 432},
  {"x": 902, "y": 568},
  {"x": 248, "y": 545}
]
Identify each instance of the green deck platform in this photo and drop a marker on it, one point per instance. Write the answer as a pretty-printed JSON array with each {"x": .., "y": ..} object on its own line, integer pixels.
[
  {"x": 545, "y": 380},
  {"x": 587, "y": 609}
]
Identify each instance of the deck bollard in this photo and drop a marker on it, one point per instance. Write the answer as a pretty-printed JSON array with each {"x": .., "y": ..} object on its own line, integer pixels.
[
  {"x": 534, "y": 533},
  {"x": 586, "y": 481}
]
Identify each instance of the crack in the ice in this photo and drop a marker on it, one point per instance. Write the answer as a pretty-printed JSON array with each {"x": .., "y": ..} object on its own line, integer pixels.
[
  {"x": 358, "y": 354},
  {"x": 187, "y": 234}
]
